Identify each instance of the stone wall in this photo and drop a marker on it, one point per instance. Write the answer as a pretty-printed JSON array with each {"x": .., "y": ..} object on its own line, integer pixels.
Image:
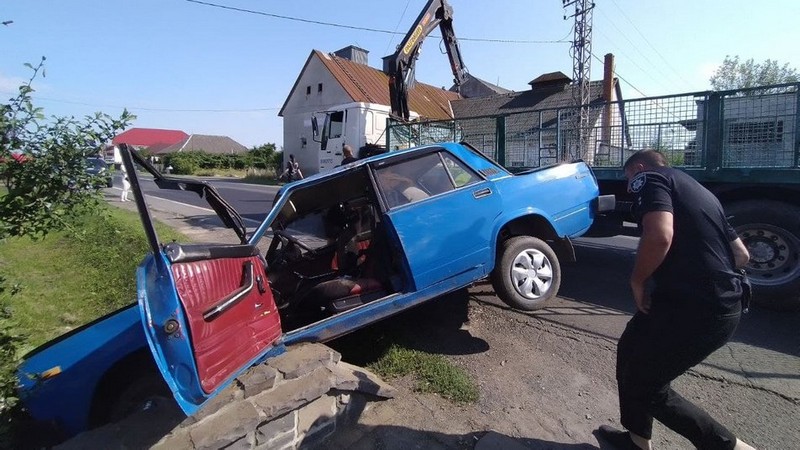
[{"x": 295, "y": 400}]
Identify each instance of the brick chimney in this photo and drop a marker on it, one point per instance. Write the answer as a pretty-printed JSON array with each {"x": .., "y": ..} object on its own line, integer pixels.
[{"x": 608, "y": 97}]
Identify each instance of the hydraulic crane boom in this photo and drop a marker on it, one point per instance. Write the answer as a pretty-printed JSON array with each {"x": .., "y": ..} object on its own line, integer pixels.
[{"x": 400, "y": 65}]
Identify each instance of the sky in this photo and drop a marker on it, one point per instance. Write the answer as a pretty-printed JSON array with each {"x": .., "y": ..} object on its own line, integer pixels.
[{"x": 203, "y": 69}]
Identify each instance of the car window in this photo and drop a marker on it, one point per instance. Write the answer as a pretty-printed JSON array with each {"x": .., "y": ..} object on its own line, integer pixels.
[
  {"x": 436, "y": 180},
  {"x": 405, "y": 182},
  {"x": 462, "y": 175}
]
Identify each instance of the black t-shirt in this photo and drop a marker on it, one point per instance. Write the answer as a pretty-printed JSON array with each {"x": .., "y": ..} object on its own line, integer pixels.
[{"x": 700, "y": 255}]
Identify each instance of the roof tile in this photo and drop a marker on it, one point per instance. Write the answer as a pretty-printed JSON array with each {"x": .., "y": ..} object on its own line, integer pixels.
[
  {"x": 207, "y": 144},
  {"x": 149, "y": 137},
  {"x": 369, "y": 85}
]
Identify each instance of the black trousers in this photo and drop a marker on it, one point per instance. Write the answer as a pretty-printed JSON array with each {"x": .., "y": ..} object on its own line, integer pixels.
[{"x": 655, "y": 349}]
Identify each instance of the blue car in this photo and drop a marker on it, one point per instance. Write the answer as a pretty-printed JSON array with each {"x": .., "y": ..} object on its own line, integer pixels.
[{"x": 338, "y": 251}]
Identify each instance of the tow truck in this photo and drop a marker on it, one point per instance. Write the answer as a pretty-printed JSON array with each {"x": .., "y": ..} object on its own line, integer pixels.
[{"x": 347, "y": 124}]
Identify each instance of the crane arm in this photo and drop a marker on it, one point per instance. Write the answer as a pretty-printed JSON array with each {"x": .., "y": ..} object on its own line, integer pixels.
[{"x": 400, "y": 65}]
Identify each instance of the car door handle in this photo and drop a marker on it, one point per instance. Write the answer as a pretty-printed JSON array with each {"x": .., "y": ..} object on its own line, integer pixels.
[
  {"x": 480, "y": 193},
  {"x": 234, "y": 297}
]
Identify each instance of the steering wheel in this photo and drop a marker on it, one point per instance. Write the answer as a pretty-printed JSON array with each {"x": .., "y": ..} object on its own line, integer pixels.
[{"x": 284, "y": 236}]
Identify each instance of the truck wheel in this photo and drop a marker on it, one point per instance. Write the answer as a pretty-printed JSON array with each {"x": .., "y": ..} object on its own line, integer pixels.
[
  {"x": 771, "y": 232},
  {"x": 527, "y": 274}
]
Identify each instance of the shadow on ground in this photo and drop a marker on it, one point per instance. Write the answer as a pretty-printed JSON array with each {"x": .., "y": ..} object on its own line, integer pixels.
[
  {"x": 433, "y": 327},
  {"x": 391, "y": 437}
]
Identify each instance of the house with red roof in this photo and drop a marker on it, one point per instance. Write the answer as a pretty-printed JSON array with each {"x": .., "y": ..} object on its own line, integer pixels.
[
  {"x": 152, "y": 139},
  {"x": 349, "y": 102}
]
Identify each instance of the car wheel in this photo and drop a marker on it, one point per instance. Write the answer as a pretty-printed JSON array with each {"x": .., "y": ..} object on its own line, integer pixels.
[
  {"x": 110, "y": 183},
  {"x": 125, "y": 392},
  {"x": 141, "y": 394},
  {"x": 527, "y": 274}
]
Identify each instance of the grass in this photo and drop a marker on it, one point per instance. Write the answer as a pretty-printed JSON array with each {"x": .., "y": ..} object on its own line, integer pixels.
[
  {"x": 70, "y": 278},
  {"x": 409, "y": 345},
  {"x": 433, "y": 373}
]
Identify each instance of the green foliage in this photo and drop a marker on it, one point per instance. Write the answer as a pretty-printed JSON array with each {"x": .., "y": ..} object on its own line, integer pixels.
[
  {"x": 264, "y": 157},
  {"x": 183, "y": 163},
  {"x": 42, "y": 164},
  {"x": 433, "y": 372},
  {"x": 46, "y": 187},
  {"x": 10, "y": 340},
  {"x": 106, "y": 245},
  {"x": 736, "y": 74},
  {"x": 196, "y": 162}
]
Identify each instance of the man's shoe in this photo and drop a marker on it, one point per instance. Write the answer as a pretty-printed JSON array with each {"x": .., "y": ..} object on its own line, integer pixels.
[{"x": 618, "y": 439}]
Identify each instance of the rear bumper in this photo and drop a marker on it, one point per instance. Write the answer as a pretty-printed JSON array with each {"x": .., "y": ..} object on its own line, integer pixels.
[{"x": 604, "y": 203}]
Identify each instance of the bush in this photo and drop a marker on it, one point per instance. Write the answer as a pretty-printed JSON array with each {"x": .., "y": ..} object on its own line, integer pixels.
[
  {"x": 193, "y": 162},
  {"x": 42, "y": 165},
  {"x": 10, "y": 341}
]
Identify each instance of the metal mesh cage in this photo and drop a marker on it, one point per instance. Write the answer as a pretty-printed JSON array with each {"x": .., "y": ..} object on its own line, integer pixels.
[
  {"x": 758, "y": 128},
  {"x": 747, "y": 128}
]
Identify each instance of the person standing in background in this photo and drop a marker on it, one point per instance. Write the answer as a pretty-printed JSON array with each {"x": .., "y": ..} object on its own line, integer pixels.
[
  {"x": 126, "y": 184},
  {"x": 292, "y": 171},
  {"x": 347, "y": 153}
]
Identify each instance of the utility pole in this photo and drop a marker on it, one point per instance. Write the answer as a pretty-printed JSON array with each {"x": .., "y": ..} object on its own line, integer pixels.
[{"x": 581, "y": 52}]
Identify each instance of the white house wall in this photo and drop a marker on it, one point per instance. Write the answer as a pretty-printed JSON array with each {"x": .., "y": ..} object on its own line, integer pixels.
[{"x": 297, "y": 132}]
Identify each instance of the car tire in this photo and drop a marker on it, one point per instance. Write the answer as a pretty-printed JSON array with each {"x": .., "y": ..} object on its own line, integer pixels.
[
  {"x": 142, "y": 393},
  {"x": 109, "y": 183},
  {"x": 129, "y": 389},
  {"x": 527, "y": 274}
]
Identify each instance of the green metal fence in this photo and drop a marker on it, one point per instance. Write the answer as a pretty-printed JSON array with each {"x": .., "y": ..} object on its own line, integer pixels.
[{"x": 748, "y": 128}]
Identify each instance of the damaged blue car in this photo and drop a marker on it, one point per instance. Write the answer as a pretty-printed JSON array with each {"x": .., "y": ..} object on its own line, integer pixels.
[{"x": 338, "y": 251}]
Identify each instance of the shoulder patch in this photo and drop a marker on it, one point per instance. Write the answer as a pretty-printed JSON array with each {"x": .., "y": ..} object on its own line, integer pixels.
[{"x": 638, "y": 182}]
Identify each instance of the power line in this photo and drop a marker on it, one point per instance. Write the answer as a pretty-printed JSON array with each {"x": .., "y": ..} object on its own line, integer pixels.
[
  {"x": 624, "y": 36},
  {"x": 632, "y": 60},
  {"x": 621, "y": 78},
  {"x": 372, "y": 30},
  {"x": 648, "y": 42},
  {"x": 143, "y": 108},
  {"x": 389, "y": 44}
]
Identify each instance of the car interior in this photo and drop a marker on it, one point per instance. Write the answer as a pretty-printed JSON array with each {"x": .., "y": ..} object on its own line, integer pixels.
[{"x": 329, "y": 252}]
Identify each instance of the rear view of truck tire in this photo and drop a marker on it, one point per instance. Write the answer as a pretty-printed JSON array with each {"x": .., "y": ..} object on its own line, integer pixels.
[{"x": 771, "y": 231}]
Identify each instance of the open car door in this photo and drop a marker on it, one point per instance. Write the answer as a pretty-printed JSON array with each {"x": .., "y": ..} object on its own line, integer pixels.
[{"x": 207, "y": 309}]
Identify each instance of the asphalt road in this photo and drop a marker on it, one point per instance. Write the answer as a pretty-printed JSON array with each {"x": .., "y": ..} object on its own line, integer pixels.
[{"x": 252, "y": 201}]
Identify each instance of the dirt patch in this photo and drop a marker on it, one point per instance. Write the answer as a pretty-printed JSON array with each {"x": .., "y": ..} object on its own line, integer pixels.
[{"x": 542, "y": 383}]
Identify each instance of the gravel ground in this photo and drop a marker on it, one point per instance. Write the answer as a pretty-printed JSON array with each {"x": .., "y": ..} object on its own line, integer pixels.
[{"x": 543, "y": 385}]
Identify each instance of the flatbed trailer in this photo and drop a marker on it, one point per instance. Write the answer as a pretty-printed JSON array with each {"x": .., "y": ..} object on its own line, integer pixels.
[{"x": 742, "y": 144}]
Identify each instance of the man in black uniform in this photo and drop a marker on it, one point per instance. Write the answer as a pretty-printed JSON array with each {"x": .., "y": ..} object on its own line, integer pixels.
[{"x": 692, "y": 253}]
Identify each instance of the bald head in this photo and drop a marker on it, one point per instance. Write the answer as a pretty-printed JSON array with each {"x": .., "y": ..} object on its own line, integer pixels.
[{"x": 648, "y": 159}]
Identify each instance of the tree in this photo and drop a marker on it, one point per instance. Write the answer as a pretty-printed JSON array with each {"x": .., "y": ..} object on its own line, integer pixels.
[
  {"x": 734, "y": 74},
  {"x": 46, "y": 184},
  {"x": 262, "y": 156}
]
